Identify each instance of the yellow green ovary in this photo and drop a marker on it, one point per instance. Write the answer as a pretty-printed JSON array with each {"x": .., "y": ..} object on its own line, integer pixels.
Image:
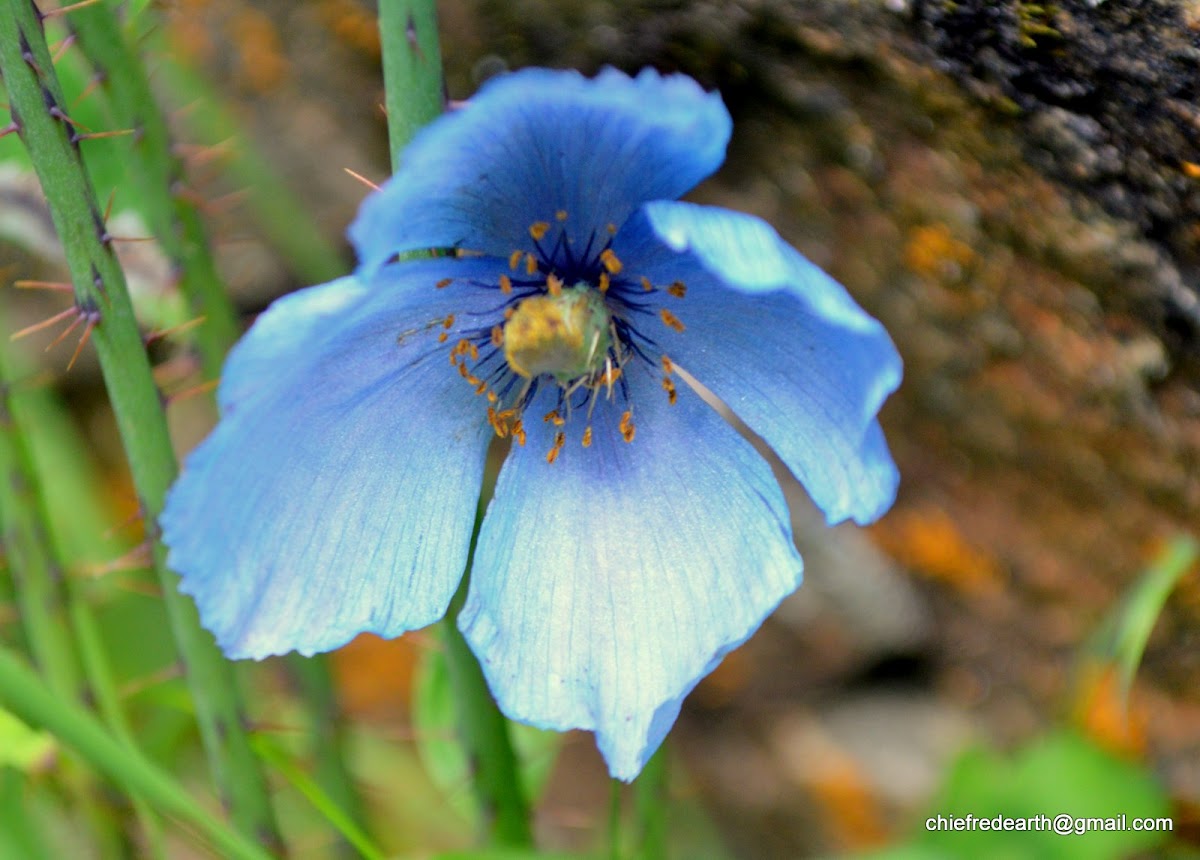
[{"x": 564, "y": 335}]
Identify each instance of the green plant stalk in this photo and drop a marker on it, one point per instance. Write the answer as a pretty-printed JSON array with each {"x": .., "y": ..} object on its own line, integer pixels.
[
  {"x": 38, "y": 109},
  {"x": 412, "y": 68},
  {"x": 278, "y": 214},
  {"x": 327, "y": 806},
  {"x": 19, "y": 836},
  {"x": 484, "y": 734},
  {"x": 44, "y": 589},
  {"x": 24, "y": 694},
  {"x": 39, "y": 583},
  {"x": 177, "y": 225},
  {"x": 412, "y": 71},
  {"x": 650, "y": 808},
  {"x": 315, "y": 683},
  {"x": 172, "y": 216}
]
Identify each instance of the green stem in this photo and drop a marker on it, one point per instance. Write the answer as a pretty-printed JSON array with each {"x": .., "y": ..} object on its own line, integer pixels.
[
  {"x": 650, "y": 807},
  {"x": 412, "y": 68},
  {"x": 315, "y": 682},
  {"x": 36, "y": 559},
  {"x": 102, "y": 301},
  {"x": 172, "y": 215},
  {"x": 23, "y": 693},
  {"x": 484, "y": 733}
]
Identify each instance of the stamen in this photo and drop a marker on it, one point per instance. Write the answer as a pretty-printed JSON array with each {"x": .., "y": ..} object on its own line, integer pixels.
[
  {"x": 505, "y": 284},
  {"x": 587, "y": 437},
  {"x": 443, "y": 337},
  {"x": 671, "y": 320},
  {"x": 530, "y": 264},
  {"x": 554, "y": 284},
  {"x": 646, "y": 285},
  {"x": 667, "y": 366},
  {"x": 443, "y": 283},
  {"x": 626, "y": 426},
  {"x": 509, "y": 311},
  {"x": 514, "y": 259},
  {"x": 669, "y": 387},
  {"x": 678, "y": 289},
  {"x": 610, "y": 261},
  {"x": 561, "y": 215},
  {"x": 518, "y": 432},
  {"x": 560, "y": 439},
  {"x": 611, "y": 228},
  {"x": 497, "y": 335},
  {"x": 538, "y": 230},
  {"x": 448, "y": 322},
  {"x": 482, "y": 387},
  {"x": 605, "y": 283}
]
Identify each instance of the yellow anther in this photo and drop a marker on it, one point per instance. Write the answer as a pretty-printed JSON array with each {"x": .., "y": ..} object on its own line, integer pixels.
[
  {"x": 610, "y": 261},
  {"x": 518, "y": 432},
  {"x": 448, "y": 322},
  {"x": 444, "y": 282},
  {"x": 646, "y": 285},
  {"x": 669, "y": 387},
  {"x": 538, "y": 230},
  {"x": 668, "y": 366},
  {"x": 550, "y": 416},
  {"x": 671, "y": 320},
  {"x": 609, "y": 376},
  {"x": 587, "y": 437},
  {"x": 530, "y": 264},
  {"x": 473, "y": 351},
  {"x": 481, "y": 387},
  {"x": 462, "y": 370},
  {"x": 442, "y": 337},
  {"x": 492, "y": 397},
  {"x": 561, "y": 215},
  {"x": 497, "y": 335},
  {"x": 554, "y": 284},
  {"x": 678, "y": 289},
  {"x": 505, "y": 284},
  {"x": 560, "y": 439},
  {"x": 509, "y": 311},
  {"x": 605, "y": 283},
  {"x": 626, "y": 426},
  {"x": 611, "y": 228},
  {"x": 514, "y": 259}
]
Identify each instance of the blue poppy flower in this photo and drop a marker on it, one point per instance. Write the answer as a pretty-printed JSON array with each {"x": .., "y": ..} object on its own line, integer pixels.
[{"x": 634, "y": 537}]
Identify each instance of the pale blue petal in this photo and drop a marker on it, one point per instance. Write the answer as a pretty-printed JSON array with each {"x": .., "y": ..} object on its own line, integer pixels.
[
  {"x": 782, "y": 343},
  {"x": 607, "y": 584},
  {"x": 336, "y": 494},
  {"x": 536, "y": 142}
]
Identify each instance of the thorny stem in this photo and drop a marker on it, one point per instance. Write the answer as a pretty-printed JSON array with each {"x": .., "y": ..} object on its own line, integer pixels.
[{"x": 37, "y": 107}]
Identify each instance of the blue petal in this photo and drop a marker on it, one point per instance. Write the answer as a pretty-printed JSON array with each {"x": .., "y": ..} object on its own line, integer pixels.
[
  {"x": 337, "y": 493},
  {"x": 781, "y": 343},
  {"x": 607, "y": 584},
  {"x": 537, "y": 142}
]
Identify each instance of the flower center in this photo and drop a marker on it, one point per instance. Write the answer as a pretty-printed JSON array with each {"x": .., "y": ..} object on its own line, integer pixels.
[{"x": 564, "y": 334}]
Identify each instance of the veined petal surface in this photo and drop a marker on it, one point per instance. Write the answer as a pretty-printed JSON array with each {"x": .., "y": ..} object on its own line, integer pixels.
[
  {"x": 608, "y": 583},
  {"x": 780, "y": 342},
  {"x": 337, "y": 493},
  {"x": 535, "y": 143}
]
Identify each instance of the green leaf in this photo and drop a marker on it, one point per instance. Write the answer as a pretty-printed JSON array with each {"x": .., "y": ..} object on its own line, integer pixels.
[
  {"x": 1061, "y": 774},
  {"x": 24, "y": 748}
]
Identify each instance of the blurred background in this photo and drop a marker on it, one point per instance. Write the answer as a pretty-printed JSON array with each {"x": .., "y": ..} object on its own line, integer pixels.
[{"x": 1013, "y": 189}]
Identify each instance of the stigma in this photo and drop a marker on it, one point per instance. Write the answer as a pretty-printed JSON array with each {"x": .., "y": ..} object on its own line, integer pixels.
[{"x": 564, "y": 333}]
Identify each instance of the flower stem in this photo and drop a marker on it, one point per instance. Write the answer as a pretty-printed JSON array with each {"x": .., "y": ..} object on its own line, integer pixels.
[
  {"x": 24, "y": 694},
  {"x": 412, "y": 68},
  {"x": 650, "y": 807},
  {"x": 484, "y": 733},
  {"x": 102, "y": 303}
]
